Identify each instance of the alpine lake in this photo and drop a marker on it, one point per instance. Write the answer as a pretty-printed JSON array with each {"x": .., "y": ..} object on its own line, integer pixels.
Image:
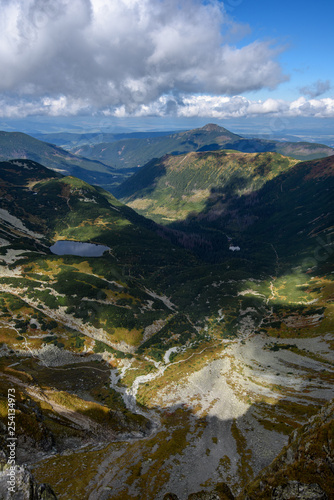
[{"x": 81, "y": 249}]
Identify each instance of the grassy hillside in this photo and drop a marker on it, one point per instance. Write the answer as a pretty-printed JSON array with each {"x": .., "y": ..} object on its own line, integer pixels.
[
  {"x": 216, "y": 202},
  {"x": 171, "y": 188}
]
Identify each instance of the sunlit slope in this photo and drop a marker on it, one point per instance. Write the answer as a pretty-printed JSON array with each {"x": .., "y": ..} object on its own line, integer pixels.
[
  {"x": 239, "y": 202},
  {"x": 171, "y": 188}
]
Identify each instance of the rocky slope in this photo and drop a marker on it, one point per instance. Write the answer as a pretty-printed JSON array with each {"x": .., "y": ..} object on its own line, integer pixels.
[
  {"x": 304, "y": 470},
  {"x": 25, "y": 486},
  {"x": 305, "y": 467}
]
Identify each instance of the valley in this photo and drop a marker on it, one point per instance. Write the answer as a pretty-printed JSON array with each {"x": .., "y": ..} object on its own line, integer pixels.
[{"x": 195, "y": 348}]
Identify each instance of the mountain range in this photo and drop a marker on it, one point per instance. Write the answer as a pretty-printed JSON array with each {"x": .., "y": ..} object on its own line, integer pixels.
[
  {"x": 108, "y": 159},
  {"x": 135, "y": 152},
  {"x": 182, "y": 358}
]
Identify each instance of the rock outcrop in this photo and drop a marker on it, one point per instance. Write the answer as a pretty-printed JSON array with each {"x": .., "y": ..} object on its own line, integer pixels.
[
  {"x": 294, "y": 489},
  {"x": 304, "y": 470},
  {"x": 22, "y": 485},
  {"x": 305, "y": 467}
]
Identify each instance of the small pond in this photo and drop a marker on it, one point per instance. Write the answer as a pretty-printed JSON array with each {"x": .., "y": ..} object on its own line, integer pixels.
[{"x": 64, "y": 247}]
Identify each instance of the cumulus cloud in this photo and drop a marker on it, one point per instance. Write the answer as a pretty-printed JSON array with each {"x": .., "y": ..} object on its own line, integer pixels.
[
  {"x": 60, "y": 106},
  {"x": 316, "y": 89},
  {"x": 126, "y": 53},
  {"x": 223, "y": 107},
  {"x": 183, "y": 106}
]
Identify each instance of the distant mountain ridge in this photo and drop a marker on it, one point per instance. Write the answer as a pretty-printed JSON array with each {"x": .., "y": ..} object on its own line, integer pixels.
[
  {"x": 108, "y": 160},
  {"x": 68, "y": 140},
  {"x": 135, "y": 152},
  {"x": 15, "y": 145}
]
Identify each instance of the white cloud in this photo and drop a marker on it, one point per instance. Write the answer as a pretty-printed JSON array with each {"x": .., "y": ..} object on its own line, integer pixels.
[
  {"x": 60, "y": 106},
  {"x": 138, "y": 58},
  {"x": 183, "y": 106},
  {"x": 224, "y": 107},
  {"x": 126, "y": 52}
]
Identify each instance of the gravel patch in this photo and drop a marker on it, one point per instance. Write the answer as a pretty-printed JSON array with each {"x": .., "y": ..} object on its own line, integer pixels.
[{"x": 52, "y": 356}]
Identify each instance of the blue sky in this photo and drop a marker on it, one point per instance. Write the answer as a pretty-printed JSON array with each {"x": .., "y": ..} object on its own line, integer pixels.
[
  {"x": 166, "y": 62},
  {"x": 307, "y": 30}
]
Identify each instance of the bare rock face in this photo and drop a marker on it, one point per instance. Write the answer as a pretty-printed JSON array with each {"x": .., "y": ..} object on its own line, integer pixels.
[
  {"x": 21, "y": 485},
  {"x": 304, "y": 470},
  {"x": 294, "y": 489}
]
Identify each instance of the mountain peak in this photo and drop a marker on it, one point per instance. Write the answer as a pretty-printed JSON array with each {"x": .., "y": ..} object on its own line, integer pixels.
[{"x": 212, "y": 127}]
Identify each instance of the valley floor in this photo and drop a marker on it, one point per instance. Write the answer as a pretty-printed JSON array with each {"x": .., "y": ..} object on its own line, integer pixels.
[{"x": 228, "y": 415}]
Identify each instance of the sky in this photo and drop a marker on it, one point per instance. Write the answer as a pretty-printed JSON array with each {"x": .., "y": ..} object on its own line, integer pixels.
[{"x": 166, "y": 61}]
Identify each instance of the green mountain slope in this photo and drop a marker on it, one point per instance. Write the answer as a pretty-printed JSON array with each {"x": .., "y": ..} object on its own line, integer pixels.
[
  {"x": 170, "y": 188},
  {"x": 40, "y": 207},
  {"x": 19, "y": 145},
  {"x": 292, "y": 213},
  {"x": 132, "y": 153},
  {"x": 229, "y": 199},
  {"x": 73, "y": 313},
  {"x": 61, "y": 207}
]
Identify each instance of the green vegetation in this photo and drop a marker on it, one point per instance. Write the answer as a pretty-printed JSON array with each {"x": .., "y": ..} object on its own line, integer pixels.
[
  {"x": 175, "y": 187},
  {"x": 177, "y": 332},
  {"x": 85, "y": 392},
  {"x": 183, "y": 285}
]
